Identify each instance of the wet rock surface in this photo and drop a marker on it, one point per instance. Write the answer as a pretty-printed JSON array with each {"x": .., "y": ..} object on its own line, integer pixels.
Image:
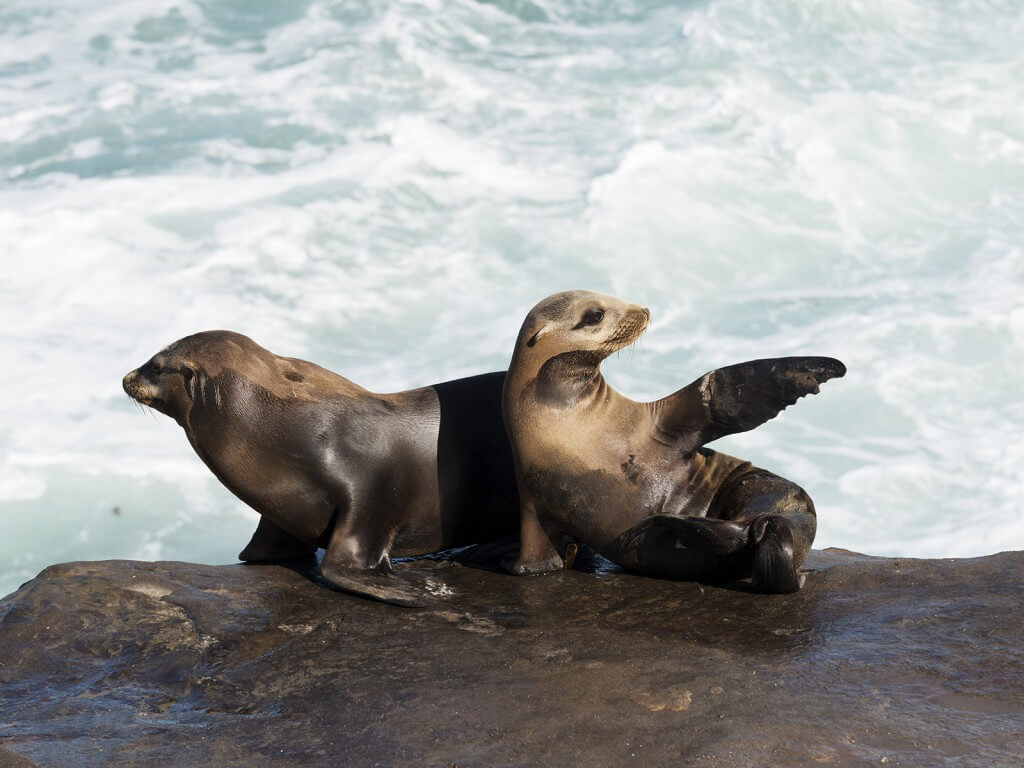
[{"x": 875, "y": 662}]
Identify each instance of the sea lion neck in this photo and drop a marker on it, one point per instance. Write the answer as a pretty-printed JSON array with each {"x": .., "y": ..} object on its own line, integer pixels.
[{"x": 569, "y": 378}]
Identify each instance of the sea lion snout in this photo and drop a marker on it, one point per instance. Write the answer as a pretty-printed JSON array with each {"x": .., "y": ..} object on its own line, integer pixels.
[
  {"x": 631, "y": 327},
  {"x": 130, "y": 384},
  {"x": 140, "y": 387}
]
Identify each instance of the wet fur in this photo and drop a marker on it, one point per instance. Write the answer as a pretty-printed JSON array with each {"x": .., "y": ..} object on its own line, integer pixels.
[
  {"x": 633, "y": 480},
  {"x": 330, "y": 464}
]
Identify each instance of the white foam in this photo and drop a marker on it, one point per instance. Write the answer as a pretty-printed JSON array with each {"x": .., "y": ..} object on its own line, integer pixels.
[{"x": 387, "y": 190}]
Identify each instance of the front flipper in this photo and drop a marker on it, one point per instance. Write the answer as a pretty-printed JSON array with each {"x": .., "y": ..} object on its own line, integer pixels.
[
  {"x": 740, "y": 397},
  {"x": 357, "y": 560},
  {"x": 537, "y": 554},
  {"x": 270, "y": 542},
  {"x": 371, "y": 583}
]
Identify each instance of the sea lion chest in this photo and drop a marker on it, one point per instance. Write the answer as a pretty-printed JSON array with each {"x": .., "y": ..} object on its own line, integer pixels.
[
  {"x": 595, "y": 474},
  {"x": 595, "y": 477}
]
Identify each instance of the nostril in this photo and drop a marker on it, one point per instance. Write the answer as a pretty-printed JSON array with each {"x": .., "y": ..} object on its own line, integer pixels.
[{"x": 128, "y": 380}]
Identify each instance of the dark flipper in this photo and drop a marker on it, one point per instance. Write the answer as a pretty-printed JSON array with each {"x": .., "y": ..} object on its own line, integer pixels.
[
  {"x": 740, "y": 397},
  {"x": 774, "y": 568},
  {"x": 719, "y": 537},
  {"x": 354, "y": 565},
  {"x": 373, "y": 584},
  {"x": 537, "y": 553},
  {"x": 687, "y": 548},
  {"x": 703, "y": 549},
  {"x": 270, "y": 543}
]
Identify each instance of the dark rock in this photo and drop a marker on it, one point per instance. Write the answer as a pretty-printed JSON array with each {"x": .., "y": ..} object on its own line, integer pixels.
[{"x": 875, "y": 662}]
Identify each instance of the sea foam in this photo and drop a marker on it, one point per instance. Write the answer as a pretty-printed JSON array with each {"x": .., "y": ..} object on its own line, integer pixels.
[{"x": 386, "y": 188}]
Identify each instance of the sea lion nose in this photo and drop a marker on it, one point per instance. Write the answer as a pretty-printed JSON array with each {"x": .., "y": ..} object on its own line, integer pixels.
[
  {"x": 129, "y": 380},
  {"x": 647, "y": 313}
]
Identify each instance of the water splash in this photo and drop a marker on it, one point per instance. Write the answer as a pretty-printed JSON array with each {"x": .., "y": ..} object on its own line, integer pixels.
[{"x": 386, "y": 188}]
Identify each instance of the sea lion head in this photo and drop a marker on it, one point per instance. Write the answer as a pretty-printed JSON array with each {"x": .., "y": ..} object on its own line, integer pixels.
[
  {"x": 580, "y": 321},
  {"x": 172, "y": 380},
  {"x": 564, "y": 339}
]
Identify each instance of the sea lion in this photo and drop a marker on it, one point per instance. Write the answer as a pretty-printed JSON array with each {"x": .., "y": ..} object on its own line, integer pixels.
[
  {"x": 329, "y": 464},
  {"x": 634, "y": 480}
]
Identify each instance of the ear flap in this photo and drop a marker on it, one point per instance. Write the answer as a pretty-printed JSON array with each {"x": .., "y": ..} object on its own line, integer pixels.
[
  {"x": 533, "y": 339},
  {"x": 188, "y": 376}
]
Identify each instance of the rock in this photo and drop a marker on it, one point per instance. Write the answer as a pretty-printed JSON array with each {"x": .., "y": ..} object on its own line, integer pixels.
[{"x": 875, "y": 662}]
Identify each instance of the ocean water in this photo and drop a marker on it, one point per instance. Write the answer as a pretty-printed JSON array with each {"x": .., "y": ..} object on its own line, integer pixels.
[{"x": 387, "y": 187}]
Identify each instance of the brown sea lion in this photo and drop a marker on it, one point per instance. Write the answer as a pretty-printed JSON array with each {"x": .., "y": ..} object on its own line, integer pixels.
[
  {"x": 634, "y": 480},
  {"x": 329, "y": 464}
]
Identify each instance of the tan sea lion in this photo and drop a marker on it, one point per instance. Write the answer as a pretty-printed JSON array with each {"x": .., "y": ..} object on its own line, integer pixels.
[
  {"x": 634, "y": 480},
  {"x": 329, "y": 464}
]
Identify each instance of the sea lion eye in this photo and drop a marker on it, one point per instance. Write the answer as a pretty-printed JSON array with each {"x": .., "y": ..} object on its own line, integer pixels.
[{"x": 592, "y": 317}]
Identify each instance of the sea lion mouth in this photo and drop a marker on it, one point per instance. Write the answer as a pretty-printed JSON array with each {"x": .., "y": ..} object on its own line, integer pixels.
[
  {"x": 141, "y": 391},
  {"x": 629, "y": 330}
]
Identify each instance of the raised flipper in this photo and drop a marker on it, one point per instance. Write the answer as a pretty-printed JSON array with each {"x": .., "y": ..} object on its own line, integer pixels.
[
  {"x": 740, "y": 397},
  {"x": 271, "y": 542}
]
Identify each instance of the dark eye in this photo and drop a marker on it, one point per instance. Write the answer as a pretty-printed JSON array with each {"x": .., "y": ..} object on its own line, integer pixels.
[{"x": 592, "y": 317}]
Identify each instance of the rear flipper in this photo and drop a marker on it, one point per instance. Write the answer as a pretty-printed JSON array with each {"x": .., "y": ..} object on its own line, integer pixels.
[
  {"x": 706, "y": 549},
  {"x": 271, "y": 542},
  {"x": 687, "y": 548},
  {"x": 775, "y": 564},
  {"x": 719, "y": 537}
]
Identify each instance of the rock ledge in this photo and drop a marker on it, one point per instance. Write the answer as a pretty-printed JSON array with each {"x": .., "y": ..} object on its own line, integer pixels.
[{"x": 875, "y": 662}]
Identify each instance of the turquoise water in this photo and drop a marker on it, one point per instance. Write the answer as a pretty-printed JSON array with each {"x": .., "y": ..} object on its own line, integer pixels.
[{"x": 386, "y": 188}]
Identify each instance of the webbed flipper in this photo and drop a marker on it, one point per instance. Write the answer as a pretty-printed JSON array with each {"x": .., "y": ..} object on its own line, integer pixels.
[
  {"x": 371, "y": 583},
  {"x": 537, "y": 553},
  {"x": 740, "y": 397},
  {"x": 719, "y": 537},
  {"x": 708, "y": 549},
  {"x": 775, "y": 568}
]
